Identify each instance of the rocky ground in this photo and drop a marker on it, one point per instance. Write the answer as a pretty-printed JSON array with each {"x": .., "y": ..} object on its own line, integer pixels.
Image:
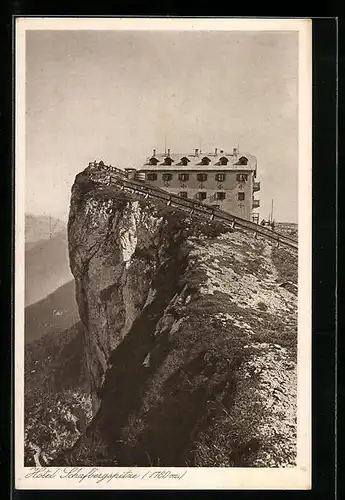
[
  {"x": 191, "y": 337},
  {"x": 57, "y": 396},
  {"x": 242, "y": 295}
]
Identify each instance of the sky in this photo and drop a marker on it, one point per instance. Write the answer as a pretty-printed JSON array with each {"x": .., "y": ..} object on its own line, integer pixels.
[{"x": 117, "y": 95}]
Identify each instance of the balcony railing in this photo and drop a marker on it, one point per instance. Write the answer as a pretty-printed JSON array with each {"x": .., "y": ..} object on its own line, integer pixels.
[
  {"x": 256, "y": 186},
  {"x": 256, "y": 203}
]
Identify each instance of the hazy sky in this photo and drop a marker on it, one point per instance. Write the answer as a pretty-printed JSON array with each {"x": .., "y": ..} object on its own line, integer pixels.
[{"x": 113, "y": 95}]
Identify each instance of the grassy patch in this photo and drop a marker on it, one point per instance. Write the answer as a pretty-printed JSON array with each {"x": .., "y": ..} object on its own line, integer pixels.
[{"x": 286, "y": 264}]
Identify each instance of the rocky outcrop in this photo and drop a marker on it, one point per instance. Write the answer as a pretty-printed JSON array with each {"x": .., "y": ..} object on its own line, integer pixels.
[
  {"x": 190, "y": 339},
  {"x": 116, "y": 247}
]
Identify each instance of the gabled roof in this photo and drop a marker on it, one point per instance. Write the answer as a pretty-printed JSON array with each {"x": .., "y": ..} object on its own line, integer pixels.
[
  {"x": 167, "y": 159},
  {"x": 153, "y": 158},
  {"x": 242, "y": 157},
  {"x": 205, "y": 160},
  {"x": 223, "y": 160}
]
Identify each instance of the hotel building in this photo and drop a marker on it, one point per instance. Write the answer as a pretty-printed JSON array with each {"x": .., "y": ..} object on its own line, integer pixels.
[{"x": 221, "y": 179}]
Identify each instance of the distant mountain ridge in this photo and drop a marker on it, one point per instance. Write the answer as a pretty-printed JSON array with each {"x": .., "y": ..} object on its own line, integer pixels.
[
  {"x": 46, "y": 257},
  {"x": 41, "y": 227}
]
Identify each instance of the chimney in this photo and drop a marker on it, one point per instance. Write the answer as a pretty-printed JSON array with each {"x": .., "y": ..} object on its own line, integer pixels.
[
  {"x": 234, "y": 151},
  {"x": 215, "y": 151},
  {"x": 196, "y": 152},
  {"x": 154, "y": 152},
  {"x": 168, "y": 151}
]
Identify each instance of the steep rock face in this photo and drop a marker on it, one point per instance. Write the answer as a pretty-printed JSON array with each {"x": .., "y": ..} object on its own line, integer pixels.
[
  {"x": 115, "y": 248},
  {"x": 190, "y": 336}
]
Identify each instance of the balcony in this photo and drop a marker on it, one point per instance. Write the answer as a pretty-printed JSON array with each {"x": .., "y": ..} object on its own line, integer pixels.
[
  {"x": 256, "y": 186},
  {"x": 256, "y": 203}
]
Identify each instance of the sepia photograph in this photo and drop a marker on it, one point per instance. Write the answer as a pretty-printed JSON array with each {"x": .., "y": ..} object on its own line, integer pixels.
[{"x": 163, "y": 253}]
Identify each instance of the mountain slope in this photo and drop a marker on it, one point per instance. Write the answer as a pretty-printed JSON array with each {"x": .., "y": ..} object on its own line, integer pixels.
[
  {"x": 41, "y": 227},
  {"x": 46, "y": 267},
  {"x": 57, "y": 401},
  {"x": 190, "y": 336},
  {"x": 54, "y": 313}
]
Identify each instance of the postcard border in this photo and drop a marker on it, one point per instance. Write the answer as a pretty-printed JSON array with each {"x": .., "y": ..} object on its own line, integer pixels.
[{"x": 17, "y": 221}]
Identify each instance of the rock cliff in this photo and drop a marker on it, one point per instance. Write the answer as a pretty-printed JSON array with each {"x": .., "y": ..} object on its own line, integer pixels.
[{"x": 190, "y": 334}]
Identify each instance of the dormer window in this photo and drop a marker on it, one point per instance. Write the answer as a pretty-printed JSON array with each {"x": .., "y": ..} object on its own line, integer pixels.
[
  {"x": 243, "y": 161},
  {"x": 168, "y": 160},
  {"x": 223, "y": 160},
  {"x": 153, "y": 161},
  {"x": 184, "y": 161},
  {"x": 205, "y": 160}
]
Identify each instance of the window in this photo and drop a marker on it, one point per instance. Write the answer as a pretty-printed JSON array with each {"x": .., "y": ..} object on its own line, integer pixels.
[
  {"x": 201, "y": 195},
  {"x": 241, "y": 177},
  {"x": 240, "y": 196},
  {"x": 151, "y": 176},
  {"x": 205, "y": 161},
  {"x": 167, "y": 177},
  {"x": 183, "y": 177},
  {"x": 153, "y": 161},
  {"x": 243, "y": 160},
  {"x": 220, "y": 177},
  {"x": 220, "y": 195},
  {"x": 184, "y": 161},
  {"x": 183, "y": 194},
  {"x": 223, "y": 160},
  {"x": 201, "y": 177},
  {"x": 168, "y": 161}
]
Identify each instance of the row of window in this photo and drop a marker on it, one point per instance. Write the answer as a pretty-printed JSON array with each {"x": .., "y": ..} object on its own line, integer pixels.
[
  {"x": 204, "y": 161},
  {"x": 220, "y": 195},
  {"x": 152, "y": 176}
]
